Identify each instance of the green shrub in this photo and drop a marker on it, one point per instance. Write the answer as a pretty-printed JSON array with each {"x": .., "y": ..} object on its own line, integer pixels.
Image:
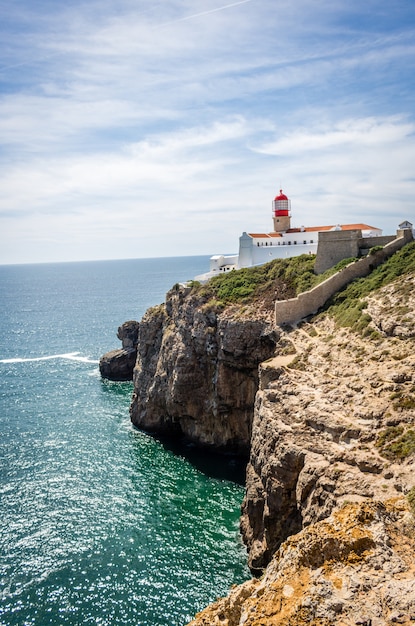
[
  {"x": 285, "y": 278},
  {"x": 281, "y": 278},
  {"x": 375, "y": 249},
  {"x": 347, "y": 305},
  {"x": 404, "y": 403},
  {"x": 396, "y": 443}
]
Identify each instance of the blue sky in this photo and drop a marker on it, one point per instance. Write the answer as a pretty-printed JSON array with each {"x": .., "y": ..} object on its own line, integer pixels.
[{"x": 130, "y": 129}]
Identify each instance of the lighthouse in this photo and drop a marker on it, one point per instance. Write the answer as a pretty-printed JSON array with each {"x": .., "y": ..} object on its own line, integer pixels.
[
  {"x": 281, "y": 213},
  {"x": 285, "y": 241}
]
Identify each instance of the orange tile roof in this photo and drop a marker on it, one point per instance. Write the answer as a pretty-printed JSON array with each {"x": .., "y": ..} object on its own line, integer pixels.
[
  {"x": 358, "y": 227},
  {"x": 332, "y": 227},
  {"x": 312, "y": 229}
]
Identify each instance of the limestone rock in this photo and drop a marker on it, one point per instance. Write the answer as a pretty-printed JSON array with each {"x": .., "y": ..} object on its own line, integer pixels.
[
  {"x": 317, "y": 423},
  {"x": 332, "y": 451},
  {"x": 128, "y": 334},
  {"x": 119, "y": 364},
  {"x": 355, "y": 567},
  {"x": 197, "y": 371},
  {"x": 391, "y": 308}
]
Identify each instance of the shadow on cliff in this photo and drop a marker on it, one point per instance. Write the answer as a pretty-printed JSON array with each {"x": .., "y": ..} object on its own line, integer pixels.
[{"x": 221, "y": 466}]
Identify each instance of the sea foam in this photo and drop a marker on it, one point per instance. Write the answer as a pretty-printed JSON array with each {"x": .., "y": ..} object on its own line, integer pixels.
[{"x": 70, "y": 356}]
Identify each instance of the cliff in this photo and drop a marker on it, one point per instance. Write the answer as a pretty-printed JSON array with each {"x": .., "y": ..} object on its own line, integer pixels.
[
  {"x": 196, "y": 373},
  {"x": 326, "y": 514},
  {"x": 321, "y": 414},
  {"x": 355, "y": 567},
  {"x": 324, "y": 412}
]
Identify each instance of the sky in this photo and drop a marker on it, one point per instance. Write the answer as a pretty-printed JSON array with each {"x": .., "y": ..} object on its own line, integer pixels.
[{"x": 133, "y": 129}]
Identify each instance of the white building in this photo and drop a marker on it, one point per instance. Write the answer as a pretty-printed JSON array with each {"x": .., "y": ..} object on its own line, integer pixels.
[{"x": 282, "y": 242}]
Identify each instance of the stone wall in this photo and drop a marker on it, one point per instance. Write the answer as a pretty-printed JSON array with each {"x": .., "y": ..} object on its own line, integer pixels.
[
  {"x": 365, "y": 243},
  {"x": 309, "y": 302},
  {"x": 334, "y": 246}
]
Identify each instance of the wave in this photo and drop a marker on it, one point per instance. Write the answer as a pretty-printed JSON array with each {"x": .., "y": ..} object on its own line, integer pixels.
[{"x": 69, "y": 356}]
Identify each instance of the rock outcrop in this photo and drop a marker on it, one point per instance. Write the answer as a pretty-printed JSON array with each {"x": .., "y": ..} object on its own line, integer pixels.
[
  {"x": 326, "y": 418},
  {"x": 196, "y": 374},
  {"x": 119, "y": 364},
  {"x": 321, "y": 414},
  {"x": 355, "y": 567},
  {"x": 325, "y": 516}
]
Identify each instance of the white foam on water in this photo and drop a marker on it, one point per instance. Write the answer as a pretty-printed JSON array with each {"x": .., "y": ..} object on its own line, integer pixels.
[{"x": 70, "y": 356}]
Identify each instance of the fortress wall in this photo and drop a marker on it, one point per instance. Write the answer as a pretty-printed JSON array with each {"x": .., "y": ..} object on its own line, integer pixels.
[
  {"x": 335, "y": 245},
  {"x": 309, "y": 302},
  {"x": 365, "y": 243}
]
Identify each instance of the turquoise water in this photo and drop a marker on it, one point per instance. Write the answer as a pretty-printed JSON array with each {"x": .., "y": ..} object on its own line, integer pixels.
[{"x": 100, "y": 523}]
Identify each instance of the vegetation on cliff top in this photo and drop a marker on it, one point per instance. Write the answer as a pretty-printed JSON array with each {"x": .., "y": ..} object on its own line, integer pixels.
[
  {"x": 281, "y": 279},
  {"x": 277, "y": 280},
  {"x": 348, "y": 306}
]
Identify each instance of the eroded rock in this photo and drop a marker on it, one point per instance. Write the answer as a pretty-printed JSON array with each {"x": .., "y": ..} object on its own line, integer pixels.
[
  {"x": 355, "y": 567},
  {"x": 119, "y": 364},
  {"x": 197, "y": 372}
]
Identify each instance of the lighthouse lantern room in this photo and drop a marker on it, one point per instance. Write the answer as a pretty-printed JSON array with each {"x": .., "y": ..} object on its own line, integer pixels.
[{"x": 281, "y": 212}]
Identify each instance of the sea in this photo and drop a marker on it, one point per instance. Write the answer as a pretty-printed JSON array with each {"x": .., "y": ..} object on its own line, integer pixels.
[{"x": 101, "y": 524}]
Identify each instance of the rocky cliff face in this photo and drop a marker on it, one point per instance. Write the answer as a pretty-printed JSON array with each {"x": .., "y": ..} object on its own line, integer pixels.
[
  {"x": 326, "y": 417},
  {"x": 321, "y": 414},
  {"x": 197, "y": 371},
  {"x": 355, "y": 567},
  {"x": 331, "y": 470}
]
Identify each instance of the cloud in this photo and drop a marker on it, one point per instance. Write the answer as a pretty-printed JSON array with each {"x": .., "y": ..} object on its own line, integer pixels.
[
  {"x": 121, "y": 121},
  {"x": 357, "y": 133}
]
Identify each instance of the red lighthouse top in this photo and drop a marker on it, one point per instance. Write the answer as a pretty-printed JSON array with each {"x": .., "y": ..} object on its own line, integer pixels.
[
  {"x": 282, "y": 196},
  {"x": 281, "y": 205}
]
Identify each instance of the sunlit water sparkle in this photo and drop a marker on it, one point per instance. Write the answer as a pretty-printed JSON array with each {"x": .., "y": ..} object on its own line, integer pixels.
[{"x": 101, "y": 524}]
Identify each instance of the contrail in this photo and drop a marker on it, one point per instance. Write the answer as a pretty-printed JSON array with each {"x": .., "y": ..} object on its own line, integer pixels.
[
  {"x": 180, "y": 19},
  {"x": 190, "y": 17}
]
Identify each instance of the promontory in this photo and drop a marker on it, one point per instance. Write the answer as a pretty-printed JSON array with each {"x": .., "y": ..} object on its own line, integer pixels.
[{"x": 323, "y": 411}]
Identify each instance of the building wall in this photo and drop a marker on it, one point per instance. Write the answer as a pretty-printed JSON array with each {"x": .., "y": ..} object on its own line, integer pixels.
[
  {"x": 256, "y": 251},
  {"x": 220, "y": 261},
  {"x": 309, "y": 302},
  {"x": 245, "y": 251},
  {"x": 263, "y": 254}
]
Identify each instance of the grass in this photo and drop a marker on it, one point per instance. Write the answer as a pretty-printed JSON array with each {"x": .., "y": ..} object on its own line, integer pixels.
[
  {"x": 277, "y": 280},
  {"x": 347, "y": 306},
  {"x": 281, "y": 279},
  {"x": 403, "y": 402}
]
